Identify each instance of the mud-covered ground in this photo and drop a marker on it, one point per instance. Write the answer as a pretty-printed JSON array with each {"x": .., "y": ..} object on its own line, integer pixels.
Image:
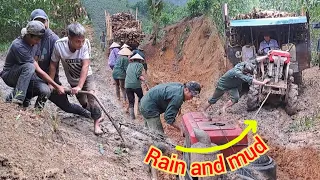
[{"x": 55, "y": 145}]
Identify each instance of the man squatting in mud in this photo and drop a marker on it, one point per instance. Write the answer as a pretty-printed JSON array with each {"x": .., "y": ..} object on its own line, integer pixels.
[{"x": 232, "y": 80}]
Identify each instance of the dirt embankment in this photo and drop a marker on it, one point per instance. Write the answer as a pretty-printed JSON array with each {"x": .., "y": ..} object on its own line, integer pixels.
[{"x": 192, "y": 50}]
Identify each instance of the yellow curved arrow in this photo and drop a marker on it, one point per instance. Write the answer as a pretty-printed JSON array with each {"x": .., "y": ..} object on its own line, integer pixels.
[{"x": 252, "y": 125}]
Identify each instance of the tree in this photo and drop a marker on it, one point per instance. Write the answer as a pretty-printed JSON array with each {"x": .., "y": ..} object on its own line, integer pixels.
[{"x": 155, "y": 10}]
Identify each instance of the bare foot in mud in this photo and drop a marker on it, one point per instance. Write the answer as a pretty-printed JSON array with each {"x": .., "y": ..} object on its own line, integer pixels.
[{"x": 97, "y": 129}]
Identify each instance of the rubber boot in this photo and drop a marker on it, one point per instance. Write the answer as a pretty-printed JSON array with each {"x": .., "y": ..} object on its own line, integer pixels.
[
  {"x": 118, "y": 92},
  {"x": 131, "y": 111},
  {"x": 138, "y": 112}
]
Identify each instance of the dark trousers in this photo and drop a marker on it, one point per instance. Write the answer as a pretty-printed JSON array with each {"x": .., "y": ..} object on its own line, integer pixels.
[
  {"x": 18, "y": 77},
  {"x": 130, "y": 94},
  {"x": 63, "y": 103},
  {"x": 37, "y": 87}
]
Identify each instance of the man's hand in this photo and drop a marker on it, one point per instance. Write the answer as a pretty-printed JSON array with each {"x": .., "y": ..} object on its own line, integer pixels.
[
  {"x": 75, "y": 90},
  {"x": 60, "y": 89},
  {"x": 51, "y": 87},
  {"x": 266, "y": 81},
  {"x": 268, "y": 53},
  {"x": 176, "y": 125}
]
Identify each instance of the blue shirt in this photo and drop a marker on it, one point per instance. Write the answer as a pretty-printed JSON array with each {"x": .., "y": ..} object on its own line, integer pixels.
[
  {"x": 266, "y": 46},
  {"x": 113, "y": 56}
]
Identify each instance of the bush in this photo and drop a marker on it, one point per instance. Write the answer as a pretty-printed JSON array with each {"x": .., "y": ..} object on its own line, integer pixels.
[{"x": 14, "y": 15}]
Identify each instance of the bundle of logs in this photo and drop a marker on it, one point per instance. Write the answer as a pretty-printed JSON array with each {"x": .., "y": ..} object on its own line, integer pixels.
[
  {"x": 126, "y": 28},
  {"x": 258, "y": 14}
]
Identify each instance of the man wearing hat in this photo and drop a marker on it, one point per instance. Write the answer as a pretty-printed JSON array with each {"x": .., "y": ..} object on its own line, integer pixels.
[
  {"x": 166, "y": 98},
  {"x": 133, "y": 82},
  {"x": 119, "y": 72},
  {"x": 46, "y": 49},
  {"x": 74, "y": 52},
  {"x": 125, "y": 46},
  {"x": 113, "y": 56},
  {"x": 267, "y": 44},
  {"x": 20, "y": 67},
  {"x": 232, "y": 80},
  {"x": 139, "y": 50}
]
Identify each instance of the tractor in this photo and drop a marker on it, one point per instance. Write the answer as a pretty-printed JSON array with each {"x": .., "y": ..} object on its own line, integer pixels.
[
  {"x": 285, "y": 63},
  {"x": 281, "y": 85}
]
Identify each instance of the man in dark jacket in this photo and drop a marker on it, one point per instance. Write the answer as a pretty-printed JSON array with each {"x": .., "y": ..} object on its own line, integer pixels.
[
  {"x": 168, "y": 99},
  {"x": 46, "y": 49},
  {"x": 232, "y": 80}
]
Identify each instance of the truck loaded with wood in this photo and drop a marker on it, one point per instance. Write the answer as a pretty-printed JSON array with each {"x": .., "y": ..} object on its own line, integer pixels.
[
  {"x": 124, "y": 28},
  {"x": 286, "y": 60}
]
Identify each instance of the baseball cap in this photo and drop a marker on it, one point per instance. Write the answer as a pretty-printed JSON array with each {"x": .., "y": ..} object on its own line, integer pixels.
[
  {"x": 38, "y": 13},
  {"x": 194, "y": 87},
  {"x": 35, "y": 28}
]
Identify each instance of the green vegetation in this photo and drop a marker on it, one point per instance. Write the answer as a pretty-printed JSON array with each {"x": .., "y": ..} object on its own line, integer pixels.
[
  {"x": 96, "y": 11},
  {"x": 4, "y": 46},
  {"x": 14, "y": 15},
  {"x": 169, "y": 14}
]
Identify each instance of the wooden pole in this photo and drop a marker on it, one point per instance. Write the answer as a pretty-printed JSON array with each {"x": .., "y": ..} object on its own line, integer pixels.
[
  {"x": 136, "y": 13},
  {"x": 110, "y": 22},
  {"x": 106, "y": 18}
]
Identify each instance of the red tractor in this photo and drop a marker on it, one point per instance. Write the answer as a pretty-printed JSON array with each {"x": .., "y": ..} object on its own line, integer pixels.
[{"x": 281, "y": 87}]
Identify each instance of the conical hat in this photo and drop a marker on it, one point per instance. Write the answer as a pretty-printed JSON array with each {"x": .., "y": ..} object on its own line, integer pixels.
[
  {"x": 114, "y": 44},
  {"x": 125, "y": 46},
  {"x": 137, "y": 56},
  {"x": 125, "y": 52}
]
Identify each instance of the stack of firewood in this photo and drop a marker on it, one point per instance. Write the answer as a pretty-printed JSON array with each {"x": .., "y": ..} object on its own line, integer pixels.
[
  {"x": 126, "y": 28},
  {"x": 258, "y": 14}
]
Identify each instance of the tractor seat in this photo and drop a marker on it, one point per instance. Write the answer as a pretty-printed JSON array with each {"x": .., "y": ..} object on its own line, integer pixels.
[{"x": 248, "y": 52}]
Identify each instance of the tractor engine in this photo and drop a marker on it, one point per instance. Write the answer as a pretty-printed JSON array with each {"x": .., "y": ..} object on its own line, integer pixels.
[{"x": 277, "y": 60}]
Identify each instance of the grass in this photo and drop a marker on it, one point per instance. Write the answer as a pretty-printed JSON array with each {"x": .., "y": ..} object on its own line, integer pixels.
[
  {"x": 305, "y": 123},
  {"x": 4, "y": 46}
]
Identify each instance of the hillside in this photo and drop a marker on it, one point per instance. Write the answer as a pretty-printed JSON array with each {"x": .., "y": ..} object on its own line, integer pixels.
[{"x": 192, "y": 50}]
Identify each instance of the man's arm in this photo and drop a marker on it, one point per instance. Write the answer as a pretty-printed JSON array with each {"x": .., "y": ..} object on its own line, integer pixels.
[
  {"x": 171, "y": 113},
  {"x": 43, "y": 75},
  {"x": 53, "y": 69},
  {"x": 85, "y": 67},
  {"x": 261, "y": 58},
  {"x": 84, "y": 72},
  {"x": 254, "y": 81},
  {"x": 83, "y": 76}
]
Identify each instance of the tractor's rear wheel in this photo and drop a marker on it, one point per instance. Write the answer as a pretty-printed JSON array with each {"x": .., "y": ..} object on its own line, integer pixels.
[
  {"x": 253, "y": 101},
  {"x": 292, "y": 99}
]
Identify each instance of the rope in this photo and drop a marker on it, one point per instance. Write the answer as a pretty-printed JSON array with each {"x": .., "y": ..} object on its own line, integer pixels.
[{"x": 261, "y": 105}]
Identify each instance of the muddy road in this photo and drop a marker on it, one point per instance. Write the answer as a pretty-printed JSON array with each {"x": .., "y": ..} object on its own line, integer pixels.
[{"x": 53, "y": 144}]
